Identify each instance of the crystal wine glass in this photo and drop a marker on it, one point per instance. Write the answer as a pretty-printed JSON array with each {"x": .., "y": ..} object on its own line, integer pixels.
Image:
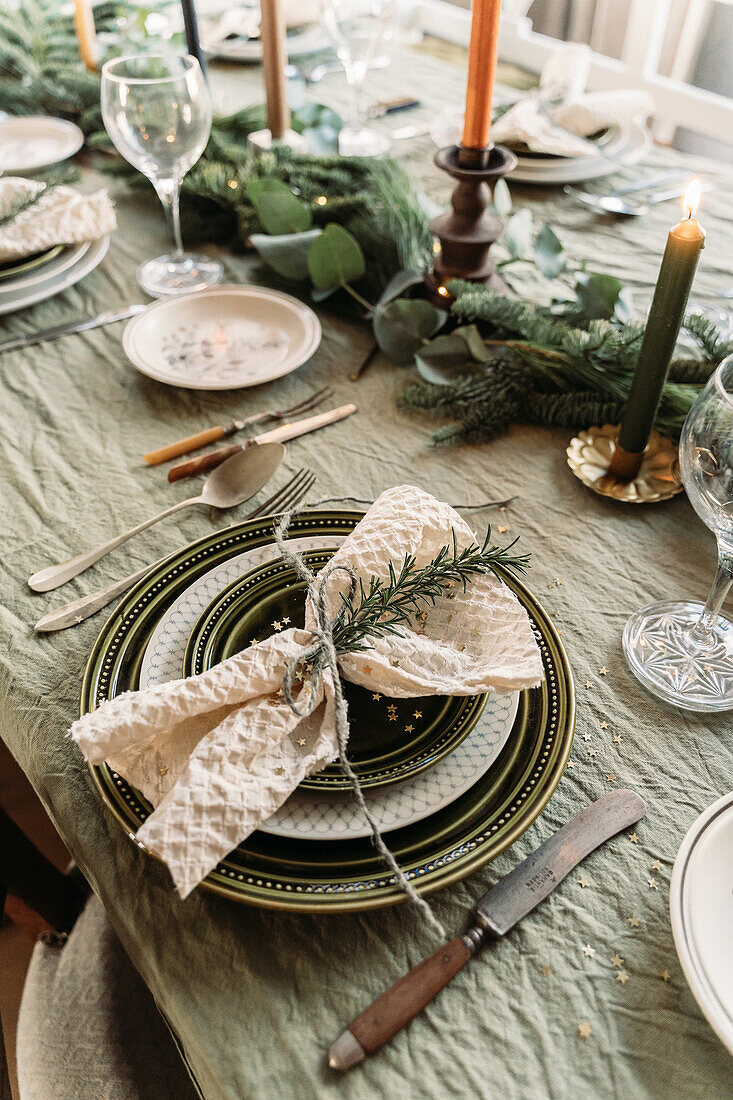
[
  {"x": 357, "y": 28},
  {"x": 157, "y": 111},
  {"x": 683, "y": 651}
]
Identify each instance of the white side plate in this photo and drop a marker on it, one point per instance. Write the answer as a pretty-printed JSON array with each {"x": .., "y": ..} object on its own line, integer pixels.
[
  {"x": 701, "y": 909},
  {"x": 222, "y": 338},
  {"x": 27, "y": 144},
  {"x": 47, "y": 288}
]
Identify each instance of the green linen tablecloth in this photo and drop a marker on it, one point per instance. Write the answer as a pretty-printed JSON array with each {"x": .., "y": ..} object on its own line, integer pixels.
[{"x": 256, "y": 997}]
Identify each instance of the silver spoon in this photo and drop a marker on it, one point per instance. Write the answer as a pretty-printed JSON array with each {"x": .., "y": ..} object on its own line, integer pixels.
[
  {"x": 615, "y": 204},
  {"x": 230, "y": 484}
]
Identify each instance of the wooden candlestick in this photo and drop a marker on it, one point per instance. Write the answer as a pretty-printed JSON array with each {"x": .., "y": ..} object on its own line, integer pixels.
[
  {"x": 274, "y": 59},
  {"x": 468, "y": 232}
]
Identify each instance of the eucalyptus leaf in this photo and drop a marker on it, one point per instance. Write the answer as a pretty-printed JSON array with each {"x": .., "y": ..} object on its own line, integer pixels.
[
  {"x": 321, "y": 295},
  {"x": 598, "y": 295},
  {"x": 398, "y": 284},
  {"x": 474, "y": 343},
  {"x": 335, "y": 258},
  {"x": 281, "y": 213},
  {"x": 502, "y": 199},
  {"x": 257, "y": 187},
  {"x": 287, "y": 253},
  {"x": 518, "y": 235},
  {"x": 403, "y": 326},
  {"x": 444, "y": 359},
  {"x": 548, "y": 252}
]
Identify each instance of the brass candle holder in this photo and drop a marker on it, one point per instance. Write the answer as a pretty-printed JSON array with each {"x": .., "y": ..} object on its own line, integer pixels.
[
  {"x": 591, "y": 458},
  {"x": 467, "y": 233}
]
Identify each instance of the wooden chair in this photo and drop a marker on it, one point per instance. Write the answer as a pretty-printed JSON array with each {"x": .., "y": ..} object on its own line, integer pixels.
[{"x": 88, "y": 1025}]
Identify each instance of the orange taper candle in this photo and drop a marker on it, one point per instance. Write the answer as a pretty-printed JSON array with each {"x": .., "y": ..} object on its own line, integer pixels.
[{"x": 481, "y": 68}]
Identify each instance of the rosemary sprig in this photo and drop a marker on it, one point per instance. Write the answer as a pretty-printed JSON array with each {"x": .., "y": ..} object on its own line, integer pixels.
[{"x": 382, "y": 607}]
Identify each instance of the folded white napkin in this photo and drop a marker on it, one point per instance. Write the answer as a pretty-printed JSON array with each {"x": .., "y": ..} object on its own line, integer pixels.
[
  {"x": 244, "y": 22},
  {"x": 36, "y": 217},
  {"x": 218, "y": 753},
  {"x": 561, "y": 115}
]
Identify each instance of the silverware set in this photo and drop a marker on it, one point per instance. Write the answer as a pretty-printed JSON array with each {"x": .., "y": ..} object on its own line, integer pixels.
[{"x": 615, "y": 202}]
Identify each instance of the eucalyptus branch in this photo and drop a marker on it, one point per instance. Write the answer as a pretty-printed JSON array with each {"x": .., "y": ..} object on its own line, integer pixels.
[{"x": 382, "y": 607}]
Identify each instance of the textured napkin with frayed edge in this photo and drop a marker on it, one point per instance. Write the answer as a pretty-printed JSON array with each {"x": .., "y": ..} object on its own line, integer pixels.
[
  {"x": 218, "y": 753},
  {"x": 47, "y": 216}
]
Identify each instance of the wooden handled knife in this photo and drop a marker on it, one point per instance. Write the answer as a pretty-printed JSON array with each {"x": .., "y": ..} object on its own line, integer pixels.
[{"x": 498, "y": 911}]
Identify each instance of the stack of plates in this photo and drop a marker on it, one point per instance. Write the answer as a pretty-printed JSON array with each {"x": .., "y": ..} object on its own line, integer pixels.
[
  {"x": 618, "y": 147},
  {"x": 35, "y": 278},
  {"x": 301, "y": 41},
  {"x": 452, "y": 781}
]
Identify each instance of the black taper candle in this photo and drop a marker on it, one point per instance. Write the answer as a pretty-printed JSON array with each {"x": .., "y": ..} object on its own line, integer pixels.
[{"x": 193, "y": 42}]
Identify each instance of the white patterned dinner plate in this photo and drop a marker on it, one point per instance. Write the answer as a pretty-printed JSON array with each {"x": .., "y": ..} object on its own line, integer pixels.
[
  {"x": 308, "y": 815},
  {"x": 88, "y": 258},
  {"x": 300, "y": 43},
  {"x": 222, "y": 337},
  {"x": 28, "y": 143},
  {"x": 50, "y": 270},
  {"x": 634, "y": 142},
  {"x": 701, "y": 910}
]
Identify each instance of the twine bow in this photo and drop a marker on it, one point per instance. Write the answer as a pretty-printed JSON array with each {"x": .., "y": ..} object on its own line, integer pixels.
[{"x": 322, "y": 654}]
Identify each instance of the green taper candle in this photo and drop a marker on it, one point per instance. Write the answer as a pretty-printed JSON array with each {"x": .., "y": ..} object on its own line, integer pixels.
[{"x": 679, "y": 263}]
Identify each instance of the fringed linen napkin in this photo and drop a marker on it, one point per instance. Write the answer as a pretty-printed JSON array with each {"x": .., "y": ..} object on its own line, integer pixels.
[
  {"x": 218, "y": 753},
  {"x": 35, "y": 217}
]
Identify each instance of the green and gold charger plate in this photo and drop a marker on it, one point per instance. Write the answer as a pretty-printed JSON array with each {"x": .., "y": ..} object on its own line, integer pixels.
[
  {"x": 317, "y": 876},
  {"x": 390, "y": 739},
  {"x": 11, "y": 268}
]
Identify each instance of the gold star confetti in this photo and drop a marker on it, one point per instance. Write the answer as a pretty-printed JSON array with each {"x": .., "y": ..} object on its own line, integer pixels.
[
  {"x": 279, "y": 771},
  {"x": 602, "y": 671},
  {"x": 409, "y": 729},
  {"x": 664, "y": 975},
  {"x": 417, "y": 714},
  {"x": 286, "y": 620},
  {"x": 502, "y": 528},
  {"x": 611, "y": 777},
  {"x": 367, "y": 670},
  {"x": 78, "y": 618},
  {"x": 653, "y": 884},
  {"x": 634, "y": 922},
  {"x": 586, "y": 737},
  {"x": 254, "y": 641},
  {"x": 604, "y": 725},
  {"x": 392, "y": 717},
  {"x": 558, "y": 581},
  {"x": 584, "y": 1029},
  {"x": 589, "y": 951},
  {"x": 546, "y": 970},
  {"x": 583, "y": 881},
  {"x": 617, "y": 739},
  {"x": 571, "y": 763},
  {"x": 276, "y": 625},
  {"x": 622, "y": 977},
  {"x": 376, "y": 696},
  {"x": 301, "y": 741},
  {"x": 617, "y": 961},
  {"x": 591, "y": 752},
  {"x": 633, "y": 838},
  {"x": 588, "y": 684},
  {"x": 656, "y": 866},
  {"x": 164, "y": 770}
]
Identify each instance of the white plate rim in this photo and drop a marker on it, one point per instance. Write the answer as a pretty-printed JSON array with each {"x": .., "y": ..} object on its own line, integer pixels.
[
  {"x": 71, "y": 255},
  {"x": 379, "y": 799},
  {"x": 74, "y": 139},
  {"x": 309, "y": 348},
  {"x": 298, "y": 45},
  {"x": 716, "y": 1013},
  {"x": 68, "y": 278},
  {"x": 636, "y": 144}
]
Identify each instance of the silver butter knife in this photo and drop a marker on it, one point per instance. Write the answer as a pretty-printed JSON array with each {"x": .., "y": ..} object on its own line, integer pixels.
[
  {"x": 83, "y": 325},
  {"x": 507, "y": 902}
]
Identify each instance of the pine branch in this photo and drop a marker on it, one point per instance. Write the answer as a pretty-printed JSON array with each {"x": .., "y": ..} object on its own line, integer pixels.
[{"x": 383, "y": 606}]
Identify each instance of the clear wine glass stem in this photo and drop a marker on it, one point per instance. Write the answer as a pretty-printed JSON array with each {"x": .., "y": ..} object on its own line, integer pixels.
[
  {"x": 354, "y": 78},
  {"x": 169, "y": 193},
  {"x": 702, "y": 632}
]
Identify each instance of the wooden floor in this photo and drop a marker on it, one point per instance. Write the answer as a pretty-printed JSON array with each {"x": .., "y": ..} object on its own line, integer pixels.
[{"x": 18, "y": 799}]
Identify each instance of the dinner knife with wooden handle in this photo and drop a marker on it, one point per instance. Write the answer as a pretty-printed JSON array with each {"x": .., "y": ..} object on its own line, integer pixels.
[
  {"x": 497, "y": 912},
  {"x": 276, "y": 435}
]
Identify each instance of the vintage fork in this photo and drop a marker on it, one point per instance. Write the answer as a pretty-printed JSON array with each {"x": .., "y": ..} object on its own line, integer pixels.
[
  {"x": 77, "y": 611},
  {"x": 224, "y": 431}
]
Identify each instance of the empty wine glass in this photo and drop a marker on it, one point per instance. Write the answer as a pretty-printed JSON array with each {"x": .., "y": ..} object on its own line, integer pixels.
[
  {"x": 357, "y": 28},
  {"x": 157, "y": 111},
  {"x": 683, "y": 651}
]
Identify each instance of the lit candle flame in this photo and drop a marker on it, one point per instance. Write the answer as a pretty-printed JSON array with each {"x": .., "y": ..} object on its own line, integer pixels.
[{"x": 691, "y": 198}]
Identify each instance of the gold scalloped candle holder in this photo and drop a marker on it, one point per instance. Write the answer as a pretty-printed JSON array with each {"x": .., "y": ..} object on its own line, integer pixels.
[{"x": 589, "y": 457}]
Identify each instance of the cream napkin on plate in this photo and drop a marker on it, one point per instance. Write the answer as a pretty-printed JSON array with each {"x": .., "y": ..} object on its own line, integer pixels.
[
  {"x": 37, "y": 217},
  {"x": 561, "y": 115},
  {"x": 218, "y": 753}
]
